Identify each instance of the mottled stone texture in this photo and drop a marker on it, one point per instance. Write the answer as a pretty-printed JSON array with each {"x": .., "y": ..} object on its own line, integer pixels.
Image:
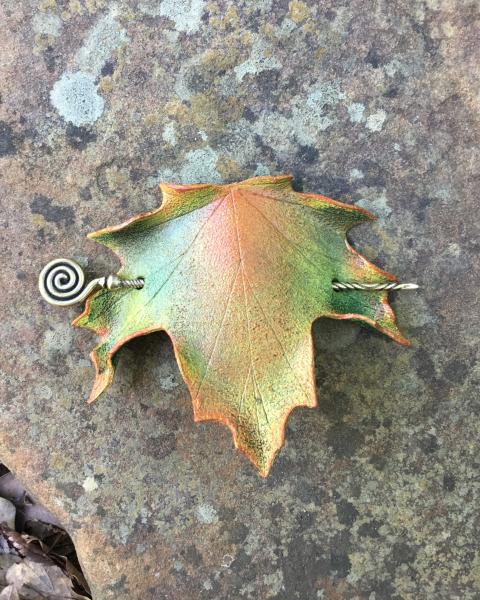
[{"x": 376, "y": 492}]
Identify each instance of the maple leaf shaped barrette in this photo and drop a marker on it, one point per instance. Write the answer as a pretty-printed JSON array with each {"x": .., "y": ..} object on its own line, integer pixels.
[{"x": 235, "y": 274}]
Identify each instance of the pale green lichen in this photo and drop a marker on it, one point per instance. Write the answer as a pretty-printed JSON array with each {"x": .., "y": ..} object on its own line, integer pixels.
[
  {"x": 261, "y": 170},
  {"x": 199, "y": 166},
  {"x": 47, "y": 24},
  {"x": 58, "y": 339},
  {"x": 90, "y": 484},
  {"x": 355, "y": 112},
  {"x": 75, "y": 95},
  {"x": 356, "y": 174},
  {"x": 169, "y": 134},
  {"x": 101, "y": 41},
  {"x": 376, "y": 201},
  {"x": 376, "y": 120},
  {"x": 261, "y": 59},
  {"x": 186, "y": 14},
  {"x": 206, "y": 514},
  {"x": 309, "y": 117},
  {"x": 76, "y": 98}
]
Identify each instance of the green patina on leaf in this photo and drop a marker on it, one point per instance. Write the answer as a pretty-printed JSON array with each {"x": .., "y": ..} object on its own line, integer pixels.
[{"x": 236, "y": 274}]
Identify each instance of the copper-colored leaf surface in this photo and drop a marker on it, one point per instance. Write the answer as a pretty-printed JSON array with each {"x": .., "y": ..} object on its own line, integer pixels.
[{"x": 236, "y": 274}]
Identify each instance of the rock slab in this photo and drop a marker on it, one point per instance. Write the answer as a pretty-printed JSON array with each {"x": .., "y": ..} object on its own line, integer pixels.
[{"x": 375, "y": 494}]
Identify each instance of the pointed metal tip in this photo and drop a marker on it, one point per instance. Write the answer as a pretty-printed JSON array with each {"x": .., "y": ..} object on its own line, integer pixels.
[{"x": 408, "y": 286}]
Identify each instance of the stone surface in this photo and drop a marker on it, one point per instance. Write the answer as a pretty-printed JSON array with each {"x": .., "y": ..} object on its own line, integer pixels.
[{"x": 375, "y": 494}]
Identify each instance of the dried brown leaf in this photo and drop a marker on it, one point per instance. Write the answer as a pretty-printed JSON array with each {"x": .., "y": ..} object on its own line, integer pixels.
[
  {"x": 35, "y": 581},
  {"x": 9, "y": 593}
]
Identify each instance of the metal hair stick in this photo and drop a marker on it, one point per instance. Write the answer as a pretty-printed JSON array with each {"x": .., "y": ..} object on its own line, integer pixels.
[{"x": 61, "y": 282}]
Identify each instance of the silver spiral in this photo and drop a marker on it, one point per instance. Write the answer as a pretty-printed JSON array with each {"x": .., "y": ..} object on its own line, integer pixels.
[{"x": 61, "y": 282}]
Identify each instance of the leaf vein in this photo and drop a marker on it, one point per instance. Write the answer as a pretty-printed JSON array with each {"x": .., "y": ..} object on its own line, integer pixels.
[
  {"x": 284, "y": 352},
  {"x": 182, "y": 256},
  {"x": 242, "y": 263},
  {"x": 287, "y": 239},
  {"x": 217, "y": 336}
]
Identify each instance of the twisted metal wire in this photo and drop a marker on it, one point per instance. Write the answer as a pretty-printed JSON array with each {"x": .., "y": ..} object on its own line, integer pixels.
[{"x": 341, "y": 286}]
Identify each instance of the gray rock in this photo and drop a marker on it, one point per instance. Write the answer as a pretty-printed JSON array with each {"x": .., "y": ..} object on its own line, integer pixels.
[{"x": 374, "y": 498}]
